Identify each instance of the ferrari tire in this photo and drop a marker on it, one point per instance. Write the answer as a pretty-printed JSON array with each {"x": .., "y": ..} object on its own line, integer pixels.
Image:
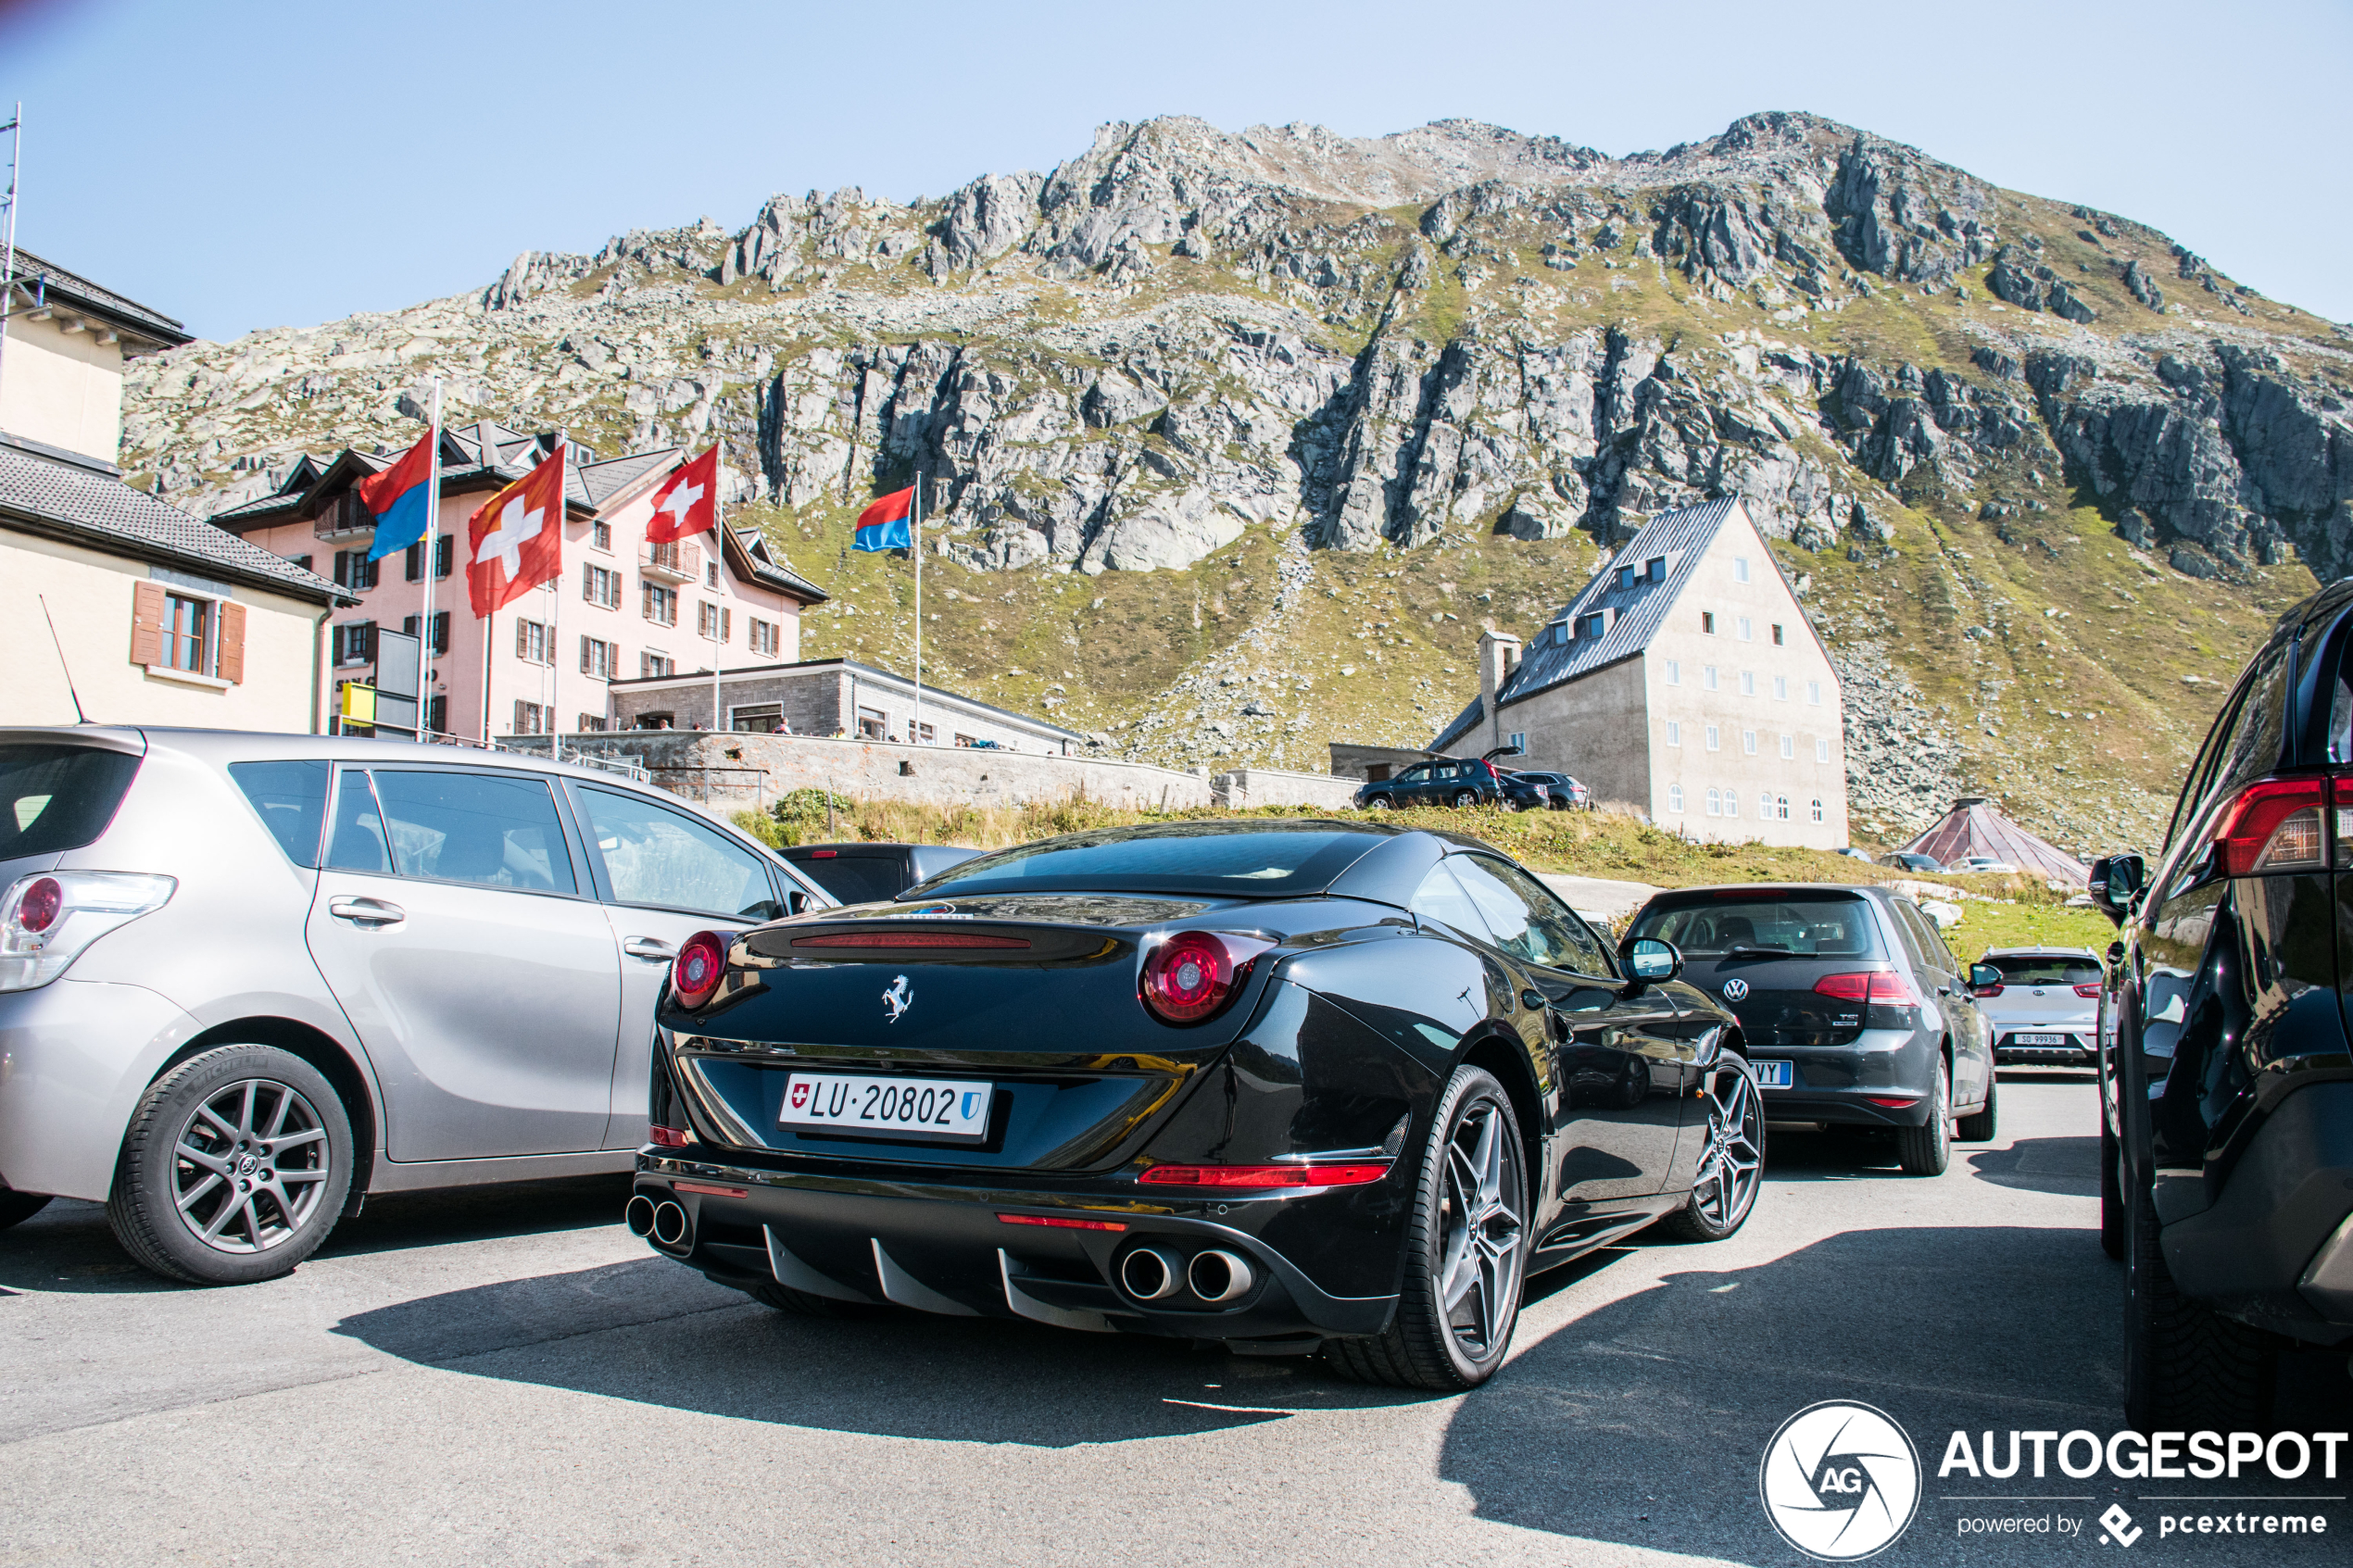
[
  {"x": 1980, "y": 1125},
  {"x": 1926, "y": 1149},
  {"x": 1466, "y": 1243}
]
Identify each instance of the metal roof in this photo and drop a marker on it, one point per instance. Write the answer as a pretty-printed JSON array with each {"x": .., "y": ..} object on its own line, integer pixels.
[
  {"x": 57, "y": 285},
  {"x": 1976, "y": 826},
  {"x": 54, "y": 495},
  {"x": 815, "y": 666}
]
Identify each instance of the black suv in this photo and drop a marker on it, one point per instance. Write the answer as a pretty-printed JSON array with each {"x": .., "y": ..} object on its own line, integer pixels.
[
  {"x": 1453, "y": 781},
  {"x": 2226, "y": 1082},
  {"x": 1856, "y": 1013}
]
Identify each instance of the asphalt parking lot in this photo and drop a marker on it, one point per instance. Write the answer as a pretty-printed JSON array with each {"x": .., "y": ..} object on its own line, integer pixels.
[{"x": 506, "y": 1376}]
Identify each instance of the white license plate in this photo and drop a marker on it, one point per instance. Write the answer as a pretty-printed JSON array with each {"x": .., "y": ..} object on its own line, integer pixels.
[
  {"x": 854, "y": 1105},
  {"x": 2041, "y": 1039},
  {"x": 1771, "y": 1075}
]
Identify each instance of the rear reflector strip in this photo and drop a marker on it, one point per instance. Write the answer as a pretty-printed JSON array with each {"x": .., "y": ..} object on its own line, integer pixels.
[
  {"x": 1334, "y": 1175},
  {"x": 1895, "y": 1102},
  {"x": 903, "y": 939},
  {"x": 708, "y": 1190},
  {"x": 1056, "y": 1222}
]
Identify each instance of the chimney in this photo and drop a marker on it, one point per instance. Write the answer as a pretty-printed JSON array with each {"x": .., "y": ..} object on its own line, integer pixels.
[{"x": 1498, "y": 656}]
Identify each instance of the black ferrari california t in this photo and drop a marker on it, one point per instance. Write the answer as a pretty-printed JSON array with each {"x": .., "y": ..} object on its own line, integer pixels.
[{"x": 1286, "y": 1084}]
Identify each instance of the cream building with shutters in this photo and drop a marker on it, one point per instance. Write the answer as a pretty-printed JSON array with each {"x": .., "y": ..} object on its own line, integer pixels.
[{"x": 1684, "y": 683}]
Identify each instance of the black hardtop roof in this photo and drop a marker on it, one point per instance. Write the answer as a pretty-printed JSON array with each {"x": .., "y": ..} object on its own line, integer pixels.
[{"x": 1774, "y": 890}]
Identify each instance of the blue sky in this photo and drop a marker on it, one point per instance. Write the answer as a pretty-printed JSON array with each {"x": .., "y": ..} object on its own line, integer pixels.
[{"x": 255, "y": 163}]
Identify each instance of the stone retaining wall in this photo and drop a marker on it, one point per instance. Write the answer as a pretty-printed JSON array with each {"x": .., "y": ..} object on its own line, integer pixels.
[{"x": 1246, "y": 787}]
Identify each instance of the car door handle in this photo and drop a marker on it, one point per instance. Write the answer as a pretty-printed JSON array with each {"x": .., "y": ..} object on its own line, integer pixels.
[
  {"x": 647, "y": 947},
  {"x": 367, "y": 912}
]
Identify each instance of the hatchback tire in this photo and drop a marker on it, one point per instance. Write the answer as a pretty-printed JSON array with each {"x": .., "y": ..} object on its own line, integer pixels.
[
  {"x": 16, "y": 1208},
  {"x": 1979, "y": 1126},
  {"x": 2185, "y": 1364},
  {"x": 1466, "y": 1243},
  {"x": 1732, "y": 1167},
  {"x": 1926, "y": 1149},
  {"x": 234, "y": 1170}
]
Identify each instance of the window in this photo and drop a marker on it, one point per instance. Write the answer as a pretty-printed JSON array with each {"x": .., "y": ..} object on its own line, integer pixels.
[
  {"x": 1707, "y": 622},
  {"x": 1781, "y": 688},
  {"x": 1731, "y": 803},
  {"x": 1674, "y": 798},
  {"x": 291, "y": 798},
  {"x": 1625, "y": 577},
  {"x": 654, "y": 721},
  {"x": 662, "y": 604},
  {"x": 1674, "y": 733},
  {"x": 501, "y": 831},
  {"x": 763, "y": 636},
  {"x": 1712, "y": 739},
  {"x": 1777, "y": 634},
  {"x": 1517, "y": 739},
  {"x": 1707, "y": 676},
  {"x": 600, "y": 587},
  {"x": 1592, "y": 625},
  {"x": 665, "y": 859},
  {"x": 1742, "y": 629},
  {"x": 600, "y": 536},
  {"x": 655, "y": 664},
  {"x": 713, "y": 620},
  {"x": 966, "y": 740},
  {"x": 870, "y": 722},
  {"x": 1822, "y": 750},
  {"x": 530, "y": 719},
  {"x": 1748, "y": 683},
  {"x": 1748, "y": 743},
  {"x": 1714, "y": 802},
  {"x": 711, "y": 574},
  {"x": 440, "y": 629},
  {"x": 599, "y": 659},
  {"x": 759, "y": 719},
  {"x": 187, "y": 635},
  {"x": 1740, "y": 569},
  {"x": 302, "y": 561},
  {"x": 1817, "y": 809},
  {"x": 413, "y": 561},
  {"x": 437, "y": 715},
  {"x": 1656, "y": 569},
  {"x": 1780, "y": 808},
  {"x": 1814, "y": 693},
  {"x": 592, "y": 723},
  {"x": 355, "y": 642},
  {"x": 924, "y": 737},
  {"x": 355, "y": 571},
  {"x": 1525, "y": 919},
  {"x": 1674, "y": 673},
  {"x": 530, "y": 646},
  {"x": 1789, "y": 747}
]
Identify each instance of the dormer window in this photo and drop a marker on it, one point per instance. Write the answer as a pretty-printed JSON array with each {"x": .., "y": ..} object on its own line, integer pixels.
[
  {"x": 1626, "y": 578},
  {"x": 1654, "y": 568},
  {"x": 1592, "y": 625}
]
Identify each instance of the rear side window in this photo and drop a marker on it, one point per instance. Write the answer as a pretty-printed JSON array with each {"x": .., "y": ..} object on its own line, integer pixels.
[
  {"x": 2046, "y": 969},
  {"x": 856, "y": 879},
  {"x": 291, "y": 798},
  {"x": 59, "y": 798},
  {"x": 1833, "y": 927},
  {"x": 1924, "y": 934},
  {"x": 659, "y": 857},
  {"x": 1528, "y": 922},
  {"x": 474, "y": 827}
]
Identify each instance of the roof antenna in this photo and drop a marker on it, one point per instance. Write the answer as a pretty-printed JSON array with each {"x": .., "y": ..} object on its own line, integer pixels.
[{"x": 78, "y": 716}]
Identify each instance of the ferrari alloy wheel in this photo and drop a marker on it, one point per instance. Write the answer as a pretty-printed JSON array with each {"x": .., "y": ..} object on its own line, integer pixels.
[
  {"x": 1465, "y": 1250},
  {"x": 235, "y": 1168},
  {"x": 1732, "y": 1165}
]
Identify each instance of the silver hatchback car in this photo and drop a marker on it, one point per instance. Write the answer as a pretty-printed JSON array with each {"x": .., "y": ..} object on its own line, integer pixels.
[
  {"x": 247, "y": 979},
  {"x": 2047, "y": 1010}
]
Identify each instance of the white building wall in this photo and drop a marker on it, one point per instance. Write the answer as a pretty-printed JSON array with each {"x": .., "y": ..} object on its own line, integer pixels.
[{"x": 63, "y": 388}]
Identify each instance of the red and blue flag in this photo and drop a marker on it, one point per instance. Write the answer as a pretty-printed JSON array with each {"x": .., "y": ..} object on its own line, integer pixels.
[
  {"x": 883, "y": 526},
  {"x": 398, "y": 497}
]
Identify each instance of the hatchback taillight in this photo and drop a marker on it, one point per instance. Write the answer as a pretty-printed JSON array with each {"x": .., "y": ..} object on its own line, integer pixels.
[
  {"x": 702, "y": 962},
  {"x": 2089, "y": 990},
  {"x": 1876, "y": 987},
  {"x": 1986, "y": 991},
  {"x": 1194, "y": 973}
]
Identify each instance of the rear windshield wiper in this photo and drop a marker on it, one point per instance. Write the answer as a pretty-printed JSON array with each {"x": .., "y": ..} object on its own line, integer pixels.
[{"x": 1762, "y": 953}]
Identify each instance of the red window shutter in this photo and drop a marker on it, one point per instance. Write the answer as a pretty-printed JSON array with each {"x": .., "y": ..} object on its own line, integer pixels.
[
  {"x": 232, "y": 642},
  {"x": 147, "y": 624}
]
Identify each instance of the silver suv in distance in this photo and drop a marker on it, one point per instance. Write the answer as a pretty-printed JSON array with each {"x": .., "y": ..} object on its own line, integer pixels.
[
  {"x": 2046, "y": 1009},
  {"x": 246, "y": 979}
]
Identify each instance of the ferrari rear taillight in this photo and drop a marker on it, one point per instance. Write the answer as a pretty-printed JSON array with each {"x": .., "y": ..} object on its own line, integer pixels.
[
  {"x": 1194, "y": 973},
  {"x": 703, "y": 961},
  {"x": 2089, "y": 990},
  {"x": 1876, "y": 987},
  {"x": 2274, "y": 826},
  {"x": 1335, "y": 1174}
]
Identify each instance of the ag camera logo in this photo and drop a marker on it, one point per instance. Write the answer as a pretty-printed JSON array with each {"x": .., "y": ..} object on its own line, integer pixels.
[{"x": 1839, "y": 1481}]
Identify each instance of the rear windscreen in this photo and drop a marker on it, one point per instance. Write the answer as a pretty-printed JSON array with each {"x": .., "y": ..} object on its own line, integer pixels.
[
  {"x": 861, "y": 879},
  {"x": 57, "y": 797},
  {"x": 1832, "y": 927},
  {"x": 1232, "y": 860},
  {"x": 2023, "y": 970}
]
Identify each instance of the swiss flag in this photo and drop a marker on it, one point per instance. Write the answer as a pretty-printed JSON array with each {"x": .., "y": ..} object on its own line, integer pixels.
[
  {"x": 517, "y": 537},
  {"x": 688, "y": 503}
]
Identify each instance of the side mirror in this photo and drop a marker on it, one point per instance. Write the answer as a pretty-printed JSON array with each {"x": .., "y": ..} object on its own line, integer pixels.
[
  {"x": 2116, "y": 881},
  {"x": 1649, "y": 961},
  {"x": 1985, "y": 980}
]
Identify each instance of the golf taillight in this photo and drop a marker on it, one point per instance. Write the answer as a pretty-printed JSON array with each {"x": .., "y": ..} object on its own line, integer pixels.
[
  {"x": 2274, "y": 826},
  {"x": 1876, "y": 987},
  {"x": 2089, "y": 990},
  {"x": 701, "y": 963},
  {"x": 37, "y": 910},
  {"x": 1193, "y": 973}
]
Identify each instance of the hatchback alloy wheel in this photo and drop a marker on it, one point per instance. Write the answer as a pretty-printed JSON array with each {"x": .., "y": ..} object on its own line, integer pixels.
[{"x": 249, "y": 1165}]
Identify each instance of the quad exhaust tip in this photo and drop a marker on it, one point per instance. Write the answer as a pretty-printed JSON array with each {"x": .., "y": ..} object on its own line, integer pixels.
[
  {"x": 1147, "y": 1274},
  {"x": 669, "y": 1224},
  {"x": 639, "y": 1216},
  {"x": 1218, "y": 1277}
]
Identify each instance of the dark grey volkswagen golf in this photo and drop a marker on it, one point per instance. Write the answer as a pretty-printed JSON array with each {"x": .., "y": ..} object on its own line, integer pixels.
[{"x": 1855, "y": 1010}]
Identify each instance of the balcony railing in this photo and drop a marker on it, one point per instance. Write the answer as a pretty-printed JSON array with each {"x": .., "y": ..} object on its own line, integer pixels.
[
  {"x": 669, "y": 563},
  {"x": 344, "y": 517}
]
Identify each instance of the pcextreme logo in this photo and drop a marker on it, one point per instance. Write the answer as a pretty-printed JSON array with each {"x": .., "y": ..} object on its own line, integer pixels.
[{"x": 1839, "y": 1481}]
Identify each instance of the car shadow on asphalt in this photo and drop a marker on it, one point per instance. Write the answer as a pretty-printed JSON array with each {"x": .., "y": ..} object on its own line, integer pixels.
[
  {"x": 660, "y": 1334},
  {"x": 2069, "y": 1166}
]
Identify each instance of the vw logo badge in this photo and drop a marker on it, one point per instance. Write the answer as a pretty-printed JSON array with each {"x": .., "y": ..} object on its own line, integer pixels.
[
  {"x": 1839, "y": 1481},
  {"x": 1735, "y": 990}
]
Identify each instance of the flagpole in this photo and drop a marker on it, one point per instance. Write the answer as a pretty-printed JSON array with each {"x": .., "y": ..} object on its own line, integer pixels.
[
  {"x": 718, "y": 543},
  {"x": 555, "y": 606},
  {"x": 915, "y": 735},
  {"x": 432, "y": 558}
]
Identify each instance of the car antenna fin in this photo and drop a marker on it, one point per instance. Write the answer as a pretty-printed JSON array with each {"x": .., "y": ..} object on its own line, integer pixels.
[{"x": 78, "y": 716}]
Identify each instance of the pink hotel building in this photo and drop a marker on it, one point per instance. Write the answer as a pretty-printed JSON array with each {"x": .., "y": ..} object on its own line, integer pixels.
[{"x": 622, "y": 607}]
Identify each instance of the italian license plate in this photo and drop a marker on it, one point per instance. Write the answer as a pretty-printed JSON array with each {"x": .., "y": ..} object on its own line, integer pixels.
[
  {"x": 1771, "y": 1075},
  {"x": 851, "y": 1104},
  {"x": 2042, "y": 1040}
]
